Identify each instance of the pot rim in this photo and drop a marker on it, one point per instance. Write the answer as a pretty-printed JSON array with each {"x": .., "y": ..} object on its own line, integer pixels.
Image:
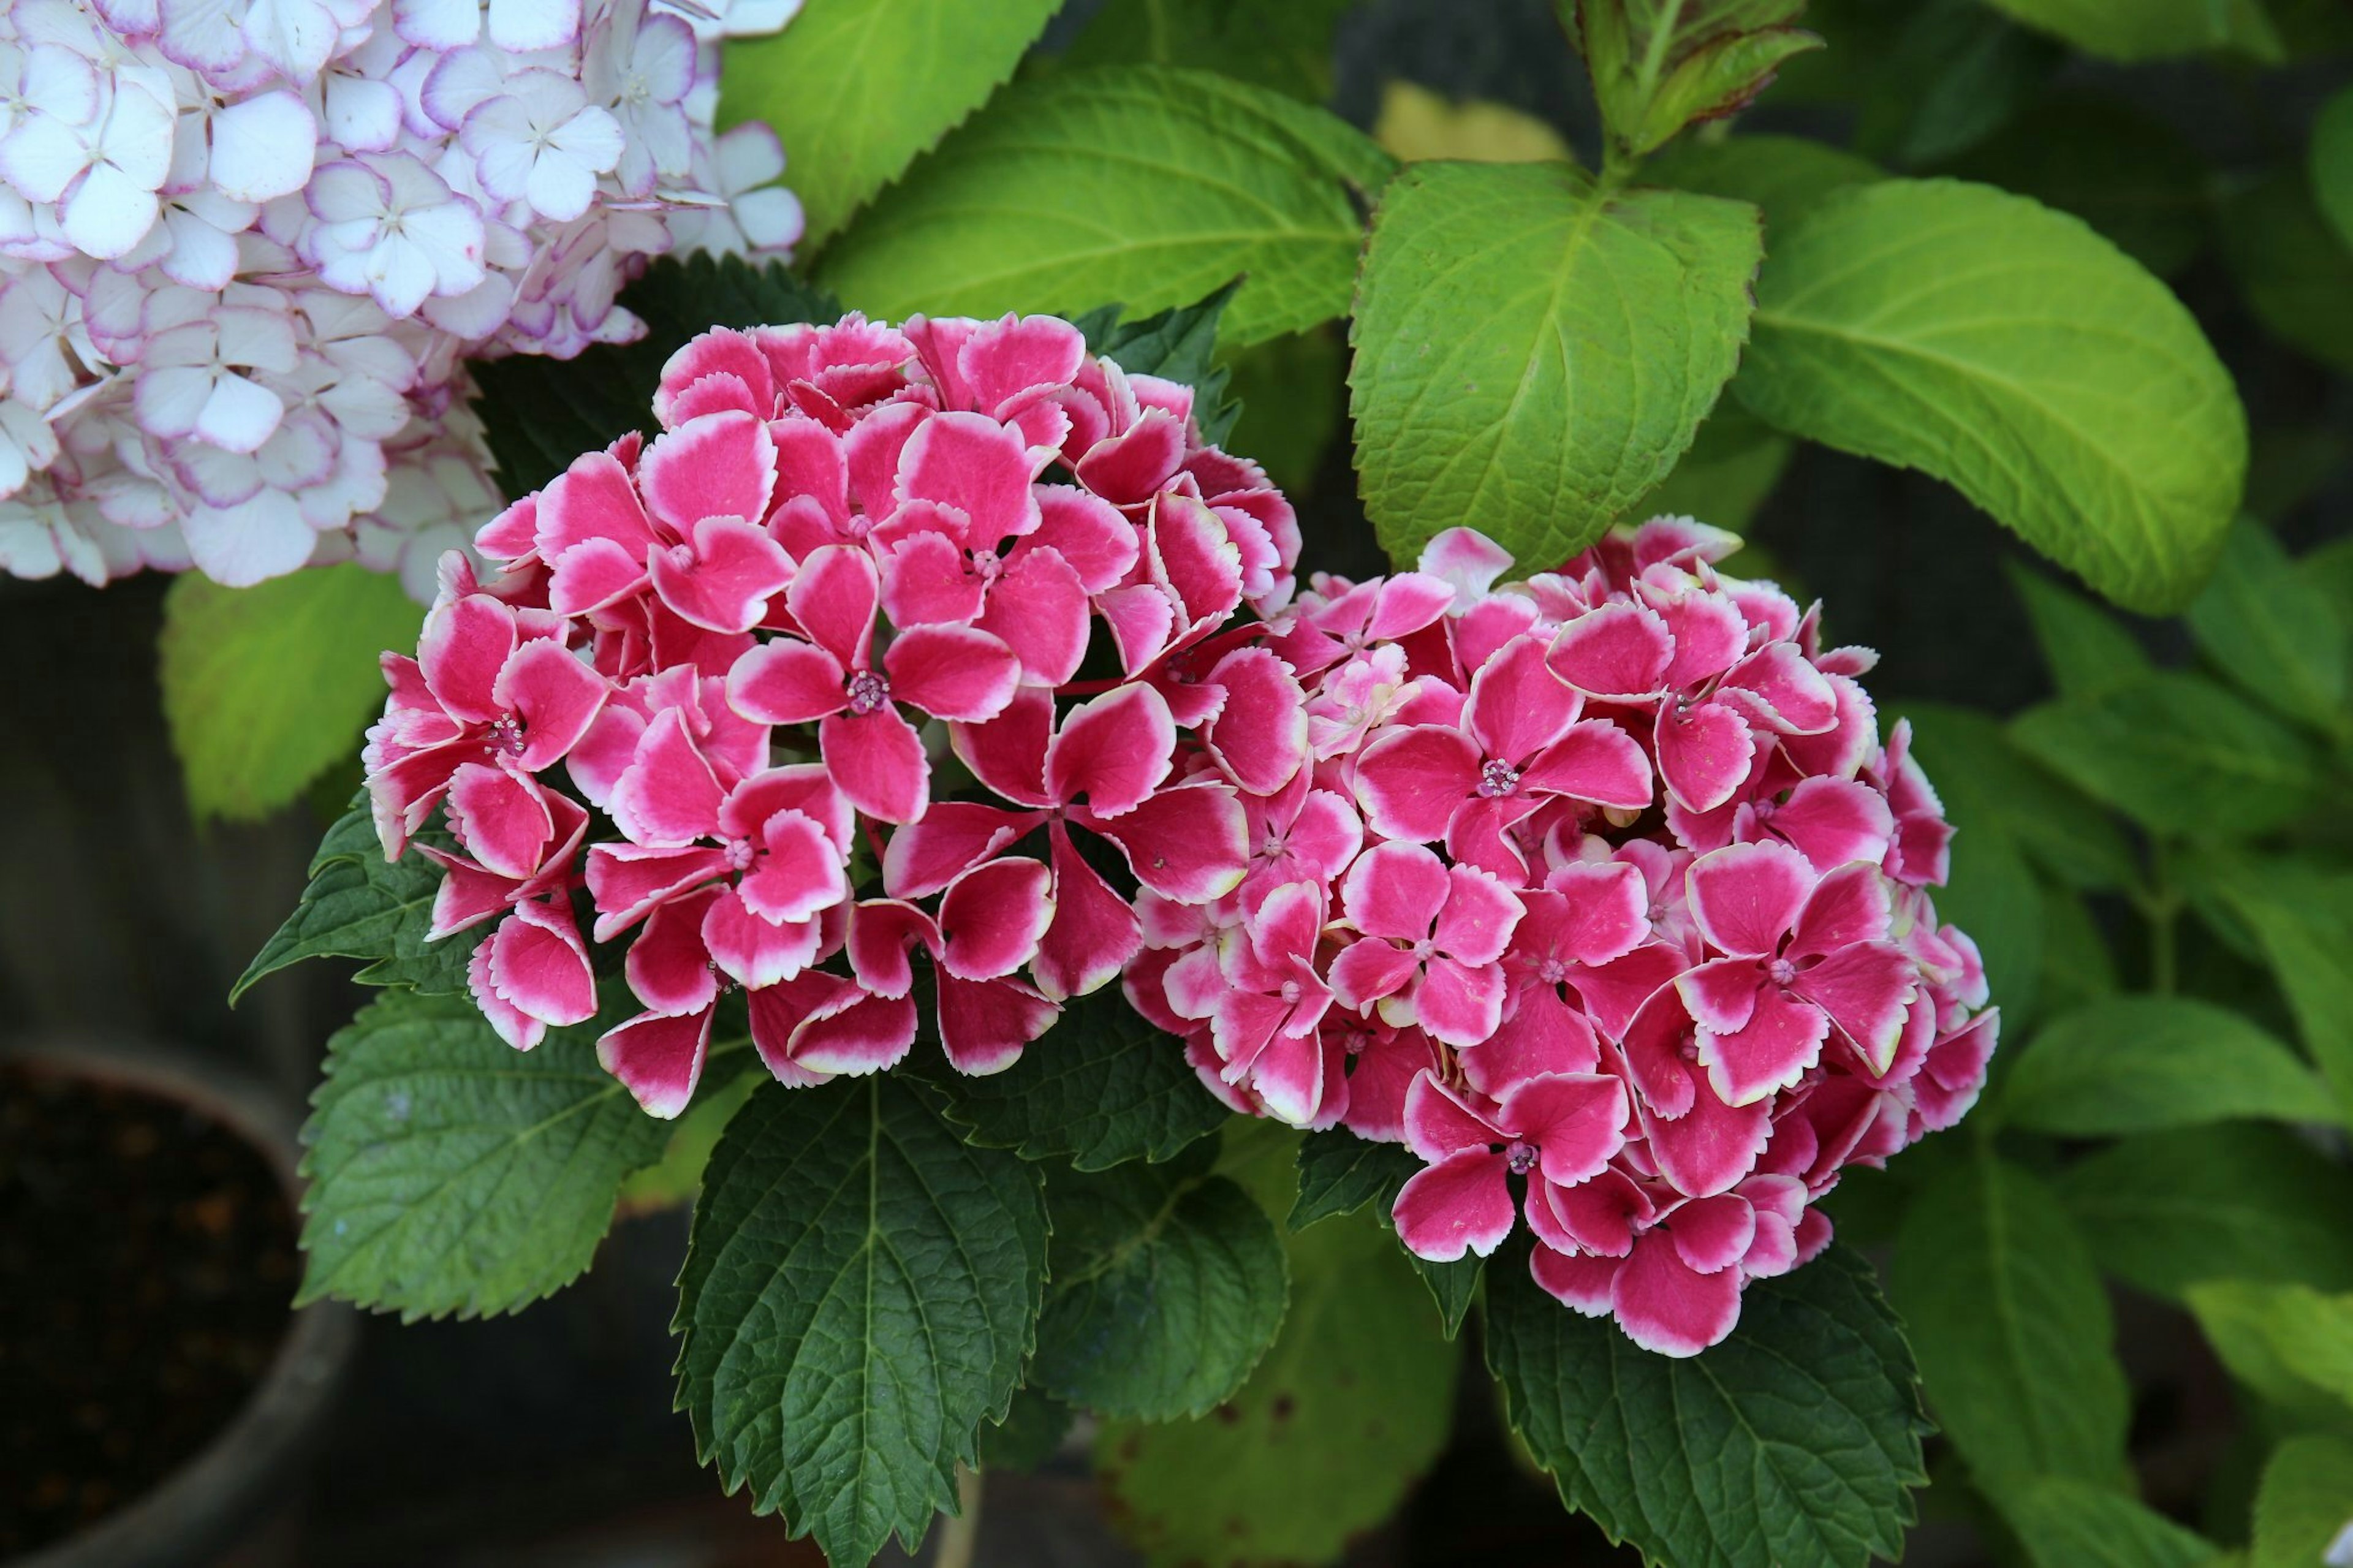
[{"x": 198, "y": 1507}]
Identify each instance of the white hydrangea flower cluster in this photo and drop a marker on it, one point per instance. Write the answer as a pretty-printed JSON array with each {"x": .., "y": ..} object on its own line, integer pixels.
[{"x": 247, "y": 246}]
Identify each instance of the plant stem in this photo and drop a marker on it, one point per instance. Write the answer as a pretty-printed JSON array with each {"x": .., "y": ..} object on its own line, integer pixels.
[
  {"x": 960, "y": 1534},
  {"x": 2162, "y": 909}
]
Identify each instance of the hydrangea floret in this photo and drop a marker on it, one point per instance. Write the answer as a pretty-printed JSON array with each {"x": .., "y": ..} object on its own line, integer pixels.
[
  {"x": 944, "y": 671},
  {"x": 246, "y": 247}
]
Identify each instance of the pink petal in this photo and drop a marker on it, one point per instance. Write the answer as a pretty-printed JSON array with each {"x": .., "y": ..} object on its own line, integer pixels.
[
  {"x": 1369, "y": 969},
  {"x": 1458, "y": 1002},
  {"x": 1195, "y": 556},
  {"x": 1039, "y": 607},
  {"x": 1410, "y": 780},
  {"x": 1619, "y": 651},
  {"x": 668, "y": 796},
  {"x": 1721, "y": 995},
  {"x": 1396, "y": 890},
  {"x": 1260, "y": 737},
  {"x": 1460, "y": 1204},
  {"x": 1667, "y": 1307},
  {"x": 658, "y": 1058},
  {"x": 1782, "y": 1039},
  {"x": 882, "y": 933},
  {"x": 1595, "y": 762},
  {"x": 1599, "y": 1215},
  {"x": 721, "y": 465},
  {"x": 464, "y": 646},
  {"x": 467, "y": 897},
  {"x": 556, "y": 697},
  {"x": 752, "y": 951},
  {"x": 1850, "y": 905},
  {"x": 1439, "y": 1123},
  {"x": 1129, "y": 468},
  {"x": 877, "y": 761},
  {"x": 1112, "y": 751},
  {"x": 1703, "y": 753},
  {"x": 1467, "y": 561},
  {"x": 1866, "y": 990},
  {"x": 1745, "y": 899},
  {"x": 798, "y": 872},
  {"x": 539, "y": 967},
  {"x": 787, "y": 682},
  {"x": 1710, "y": 636},
  {"x": 994, "y": 916},
  {"x": 868, "y": 1034},
  {"x": 1007, "y": 753},
  {"x": 1017, "y": 354},
  {"x": 1833, "y": 822},
  {"x": 508, "y": 1021},
  {"x": 501, "y": 818},
  {"x": 1776, "y": 687},
  {"x": 1288, "y": 1078},
  {"x": 952, "y": 672},
  {"x": 1476, "y": 923},
  {"x": 1086, "y": 532},
  {"x": 927, "y": 580},
  {"x": 1581, "y": 1284},
  {"x": 970, "y": 462},
  {"x": 1576, "y": 1122},
  {"x": 669, "y": 968},
  {"x": 1143, "y": 621},
  {"x": 628, "y": 880},
  {"x": 1606, "y": 909},
  {"x": 1188, "y": 844},
  {"x": 594, "y": 499},
  {"x": 1710, "y": 1147},
  {"x": 1517, "y": 706},
  {"x": 720, "y": 352},
  {"x": 984, "y": 1024},
  {"x": 925, "y": 857},
  {"x": 1093, "y": 933},
  {"x": 833, "y": 598},
  {"x": 1542, "y": 1034},
  {"x": 594, "y": 575},
  {"x": 1713, "y": 1234},
  {"x": 804, "y": 787},
  {"x": 726, "y": 580},
  {"x": 1614, "y": 992}
]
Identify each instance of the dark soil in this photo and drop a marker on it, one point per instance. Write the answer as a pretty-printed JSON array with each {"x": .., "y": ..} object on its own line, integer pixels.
[{"x": 146, "y": 1263}]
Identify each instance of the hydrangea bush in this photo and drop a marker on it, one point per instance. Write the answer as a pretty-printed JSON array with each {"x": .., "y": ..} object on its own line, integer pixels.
[{"x": 246, "y": 250}]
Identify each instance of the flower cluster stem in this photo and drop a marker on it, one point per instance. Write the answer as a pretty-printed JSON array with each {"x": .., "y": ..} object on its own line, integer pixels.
[{"x": 961, "y": 1532}]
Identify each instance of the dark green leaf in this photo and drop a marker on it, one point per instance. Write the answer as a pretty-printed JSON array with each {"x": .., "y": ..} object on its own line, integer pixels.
[
  {"x": 1351, "y": 1404},
  {"x": 1168, "y": 1285},
  {"x": 450, "y": 1172},
  {"x": 1732, "y": 467},
  {"x": 1287, "y": 47},
  {"x": 1142, "y": 183},
  {"x": 2294, "y": 272},
  {"x": 540, "y": 414},
  {"x": 2077, "y": 968},
  {"x": 856, "y": 88},
  {"x": 2274, "y": 631},
  {"x": 2086, "y": 649},
  {"x": 861, "y": 1289},
  {"x": 2128, "y": 174},
  {"x": 1969, "y": 758},
  {"x": 2153, "y": 30},
  {"x": 2141, "y": 1064},
  {"x": 1453, "y": 1285},
  {"x": 1787, "y": 176},
  {"x": 1991, "y": 894},
  {"x": 1536, "y": 352},
  {"x": 2013, "y": 353},
  {"x": 1340, "y": 1173},
  {"x": 1100, "y": 1088},
  {"x": 2332, "y": 163},
  {"x": 2235, "y": 1201},
  {"x": 250, "y": 740},
  {"x": 1796, "y": 1440},
  {"x": 677, "y": 1176},
  {"x": 1293, "y": 396},
  {"x": 2301, "y": 914},
  {"x": 360, "y": 905},
  {"x": 1030, "y": 1434},
  {"x": 1178, "y": 344},
  {"x": 2177, "y": 754},
  {"x": 1955, "y": 74},
  {"x": 2011, "y": 1323}
]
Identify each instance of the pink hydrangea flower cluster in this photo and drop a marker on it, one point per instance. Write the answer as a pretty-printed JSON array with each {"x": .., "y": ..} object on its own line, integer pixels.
[
  {"x": 246, "y": 245},
  {"x": 727, "y": 673},
  {"x": 1601, "y": 892}
]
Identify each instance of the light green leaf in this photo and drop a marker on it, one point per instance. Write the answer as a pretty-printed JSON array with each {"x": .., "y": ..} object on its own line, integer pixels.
[
  {"x": 1168, "y": 1285},
  {"x": 2274, "y": 631},
  {"x": 1532, "y": 354},
  {"x": 267, "y": 688},
  {"x": 2012, "y": 351},
  {"x": 2009, "y": 1319},
  {"x": 1795, "y": 1440},
  {"x": 2289, "y": 1346},
  {"x": 2302, "y": 916},
  {"x": 1350, "y": 1405},
  {"x": 2177, "y": 754},
  {"x": 360, "y": 905},
  {"x": 1415, "y": 125},
  {"x": 860, "y": 1287},
  {"x": 2077, "y": 968},
  {"x": 2069, "y": 1524},
  {"x": 450, "y": 1172},
  {"x": 1145, "y": 184},
  {"x": 1969, "y": 755},
  {"x": 2140, "y": 1064},
  {"x": 2293, "y": 268},
  {"x": 1100, "y": 1088},
  {"x": 1732, "y": 467},
  {"x": 856, "y": 89},
  {"x": 1787, "y": 176},
  {"x": 2234, "y": 1200},
  {"x": 2305, "y": 1506},
  {"x": 2128, "y": 174},
  {"x": 2332, "y": 163},
  {"x": 2153, "y": 30},
  {"x": 2086, "y": 649},
  {"x": 1287, "y": 47}
]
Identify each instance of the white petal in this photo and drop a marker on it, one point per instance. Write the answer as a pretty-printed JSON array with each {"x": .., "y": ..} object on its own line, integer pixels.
[
  {"x": 202, "y": 35},
  {"x": 749, "y": 155},
  {"x": 558, "y": 187},
  {"x": 239, "y": 416},
  {"x": 441, "y": 25},
  {"x": 525, "y": 25},
  {"x": 400, "y": 275},
  {"x": 295, "y": 35},
  {"x": 202, "y": 256},
  {"x": 169, "y": 398},
  {"x": 241, "y": 546},
  {"x": 109, "y": 213},
  {"x": 504, "y": 165},
  {"x": 41, "y": 157},
  {"x": 770, "y": 219},
  {"x": 362, "y": 116},
  {"x": 263, "y": 148},
  {"x": 450, "y": 236},
  {"x": 591, "y": 138},
  {"x": 60, "y": 83}
]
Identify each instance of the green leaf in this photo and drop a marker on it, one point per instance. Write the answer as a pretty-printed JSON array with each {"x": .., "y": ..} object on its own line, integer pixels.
[
  {"x": 2013, "y": 353},
  {"x": 1285, "y": 48},
  {"x": 1955, "y": 73},
  {"x": 2070, "y": 1524},
  {"x": 1533, "y": 352},
  {"x": 1795, "y": 1440},
  {"x": 249, "y": 738},
  {"x": 1102, "y": 1087},
  {"x": 2086, "y": 649},
  {"x": 1658, "y": 66},
  {"x": 1290, "y": 390},
  {"x": 2128, "y": 174},
  {"x": 360, "y": 905},
  {"x": 860, "y": 1287},
  {"x": 2305, "y": 1504},
  {"x": 2153, "y": 30},
  {"x": 2290, "y": 1343},
  {"x": 1969, "y": 758},
  {"x": 2332, "y": 163},
  {"x": 677, "y": 1176},
  {"x": 2011, "y": 1323},
  {"x": 1732, "y": 467},
  {"x": 1177, "y": 344},
  {"x": 2293, "y": 268},
  {"x": 1168, "y": 1285},
  {"x": 1143, "y": 183},
  {"x": 2274, "y": 631},
  {"x": 2077, "y": 968},
  {"x": 2177, "y": 754},
  {"x": 1340, "y": 1173},
  {"x": 539, "y": 414},
  {"x": 1992, "y": 893},
  {"x": 1030, "y": 1434},
  {"x": 2141, "y": 1064},
  {"x": 2302, "y": 915},
  {"x": 2234, "y": 1200},
  {"x": 449, "y": 1173},
  {"x": 1787, "y": 176},
  {"x": 1350, "y": 1405},
  {"x": 856, "y": 89}
]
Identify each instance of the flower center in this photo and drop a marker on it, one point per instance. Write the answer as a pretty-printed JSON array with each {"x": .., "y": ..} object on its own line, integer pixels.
[
  {"x": 1781, "y": 971},
  {"x": 869, "y": 691},
  {"x": 739, "y": 854},
  {"x": 1291, "y": 990},
  {"x": 1498, "y": 779},
  {"x": 1520, "y": 1156},
  {"x": 1272, "y": 849},
  {"x": 682, "y": 555},
  {"x": 985, "y": 565},
  {"x": 1765, "y": 808},
  {"x": 1552, "y": 971},
  {"x": 1356, "y": 1042},
  {"x": 506, "y": 734}
]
